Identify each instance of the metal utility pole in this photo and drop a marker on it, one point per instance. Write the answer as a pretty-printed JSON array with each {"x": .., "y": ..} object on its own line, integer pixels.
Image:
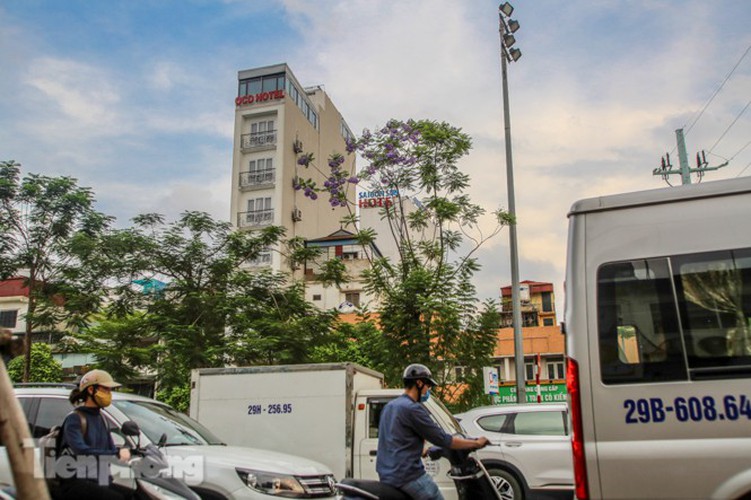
[
  {"x": 666, "y": 168},
  {"x": 507, "y": 27}
]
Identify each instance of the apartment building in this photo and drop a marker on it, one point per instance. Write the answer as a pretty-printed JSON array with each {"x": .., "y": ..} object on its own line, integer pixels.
[
  {"x": 277, "y": 120},
  {"x": 537, "y": 304}
]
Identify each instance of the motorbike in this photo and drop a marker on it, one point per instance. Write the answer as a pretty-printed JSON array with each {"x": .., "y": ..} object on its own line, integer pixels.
[
  {"x": 147, "y": 464},
  {"x": 468, "y": 473}
]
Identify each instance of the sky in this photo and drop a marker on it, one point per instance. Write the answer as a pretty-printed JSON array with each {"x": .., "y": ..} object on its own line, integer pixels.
[{"x": 135, "y": 99}]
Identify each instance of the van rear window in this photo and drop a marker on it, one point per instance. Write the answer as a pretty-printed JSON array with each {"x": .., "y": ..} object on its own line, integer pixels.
[{"x": 683, "y": 317}]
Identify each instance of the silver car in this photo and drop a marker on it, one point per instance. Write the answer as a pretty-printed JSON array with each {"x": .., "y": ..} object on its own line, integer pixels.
[{"x": 530, "y": 450}]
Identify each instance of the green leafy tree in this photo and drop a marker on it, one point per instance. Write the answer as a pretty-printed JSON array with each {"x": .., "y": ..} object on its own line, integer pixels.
[
  {"x": 197, "y": 304},
  {"x": 178, "y": 396},
  {"x": 44, "y": 368},
  {"x": 46, "y": 223},
  {"x": 360, "y": 343},
  {"x": 428, "y": 309}
]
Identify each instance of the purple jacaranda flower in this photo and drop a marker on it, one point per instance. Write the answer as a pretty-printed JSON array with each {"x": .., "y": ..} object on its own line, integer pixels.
[
  {"x": 353, "y": 180},
  {"x": 305, "y": 159}
]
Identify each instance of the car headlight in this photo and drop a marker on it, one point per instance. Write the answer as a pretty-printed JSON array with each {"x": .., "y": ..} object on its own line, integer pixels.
[{"x": 272, "y": 483}]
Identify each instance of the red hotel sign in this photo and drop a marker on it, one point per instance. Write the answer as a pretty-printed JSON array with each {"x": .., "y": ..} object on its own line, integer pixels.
[
  {"x": 373, "y": 199},
  {"x": 260, "y": 97}
]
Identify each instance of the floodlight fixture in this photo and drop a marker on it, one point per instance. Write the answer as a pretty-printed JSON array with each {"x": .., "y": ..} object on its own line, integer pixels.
[
  {"x": 508, "y": 41},
  {"x": 506, "y": 8},
  {"x": 513, "y": 25},
  {"x": 514, "y": 54}
]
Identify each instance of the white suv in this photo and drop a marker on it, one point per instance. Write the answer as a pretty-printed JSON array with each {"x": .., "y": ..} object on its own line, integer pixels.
[
  {"x": 530, "y": 450},
  {"x": 212, "y": 469}
]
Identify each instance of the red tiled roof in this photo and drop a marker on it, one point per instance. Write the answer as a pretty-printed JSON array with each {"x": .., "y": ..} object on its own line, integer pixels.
[{"x": 13, "y": 287}]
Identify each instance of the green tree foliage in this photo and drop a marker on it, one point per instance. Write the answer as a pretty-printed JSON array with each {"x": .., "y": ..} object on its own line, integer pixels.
[
  {"x": 47, "y": 223},
  {"x": 178, "y": 396},
  {"x": 211, "y": 311},
  {"x": 44, "y": 368},
  {"x": 428, "y": 311},
  {"x": 360, "y": 343}
]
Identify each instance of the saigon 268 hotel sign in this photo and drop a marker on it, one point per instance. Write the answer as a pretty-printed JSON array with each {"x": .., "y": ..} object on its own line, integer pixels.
[{"x": 377, "y": 199}]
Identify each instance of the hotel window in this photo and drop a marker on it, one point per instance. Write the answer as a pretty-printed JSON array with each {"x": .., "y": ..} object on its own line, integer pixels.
[
  {"x": 316, "y": 296},
  {"x": 547, "y": 322},
  {"x": 259, "y": 211},
  {"x": 263, "y": 258},
  {"x": 346, "y": 132},
  {"x": 8, "y": 318},
  {"x": 262, "y": 127},
  {"x": 299, "y": 99},
  {"x": 261, "y": 171},
  {"x": 259, "y": 204},
  {"x": 267, "y": 83}
]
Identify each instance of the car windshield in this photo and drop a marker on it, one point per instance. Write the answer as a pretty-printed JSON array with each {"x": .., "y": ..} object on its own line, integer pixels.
[
  {"x": 156, "y": 420},
  {"x": 446, "y": 419}
]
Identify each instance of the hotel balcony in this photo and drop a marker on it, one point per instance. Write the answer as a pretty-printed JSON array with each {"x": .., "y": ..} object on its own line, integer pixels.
[
  {"x": 255, "y": 219},
  {"x": 258, "y": 141},
  {"x": 257, "y": 179}
]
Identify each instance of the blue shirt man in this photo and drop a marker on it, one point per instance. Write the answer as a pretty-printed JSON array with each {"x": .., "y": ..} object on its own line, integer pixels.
[{"x": 404, "y": 427}]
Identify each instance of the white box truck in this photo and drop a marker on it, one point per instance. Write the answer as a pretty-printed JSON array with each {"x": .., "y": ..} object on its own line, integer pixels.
[
  {"x": 325, "y": 412},
  {"x": 658, "y": 338}
]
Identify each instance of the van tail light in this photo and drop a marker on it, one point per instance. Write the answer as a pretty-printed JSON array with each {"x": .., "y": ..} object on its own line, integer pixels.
[{"x": 577, "y": 436}]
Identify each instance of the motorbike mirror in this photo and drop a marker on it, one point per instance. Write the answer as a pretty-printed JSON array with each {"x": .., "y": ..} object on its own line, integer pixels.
[
  {"x": 162, "y": 440},
  {"x": 130, "y": 428}
]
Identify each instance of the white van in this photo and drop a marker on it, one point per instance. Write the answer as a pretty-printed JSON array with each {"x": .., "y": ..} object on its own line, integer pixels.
[{"x": 658, "y": 334}]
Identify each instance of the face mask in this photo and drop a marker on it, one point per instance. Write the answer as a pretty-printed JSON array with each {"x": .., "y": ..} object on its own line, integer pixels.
[
  {"x": 102, "y": 399},
  {"x": 424, "y": 398}
]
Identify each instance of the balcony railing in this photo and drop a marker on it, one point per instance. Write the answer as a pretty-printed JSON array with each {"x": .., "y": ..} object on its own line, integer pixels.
[
  {"x": 263, "y": 259},
  {"x": 262, "y": 178},
  {"x": 258, "y": 140},
  {"x": 257, "y": 218}
]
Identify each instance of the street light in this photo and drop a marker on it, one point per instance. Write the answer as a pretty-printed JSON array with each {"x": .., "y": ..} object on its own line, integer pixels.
[{"x": 508, "y": 26}]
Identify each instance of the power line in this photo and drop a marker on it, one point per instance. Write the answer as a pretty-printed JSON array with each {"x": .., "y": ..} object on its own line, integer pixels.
[
  {"x": 730, "y": 126},
  {"x": 744, "y": 169},
  {"x": 689, "y": 127},
  {"x": 739, "y": 151}
]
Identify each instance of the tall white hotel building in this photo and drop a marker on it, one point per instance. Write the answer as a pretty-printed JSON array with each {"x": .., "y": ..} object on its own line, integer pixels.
[{"x": 276, "y": 118}]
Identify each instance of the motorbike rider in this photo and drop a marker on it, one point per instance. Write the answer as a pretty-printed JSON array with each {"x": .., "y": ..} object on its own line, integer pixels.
[
  {"x": 92, "y": 450},
  {"x": 404, "y": 427}
]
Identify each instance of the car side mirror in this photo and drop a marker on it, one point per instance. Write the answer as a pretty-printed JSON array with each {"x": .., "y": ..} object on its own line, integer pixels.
[{"x": 130, "y": 428}]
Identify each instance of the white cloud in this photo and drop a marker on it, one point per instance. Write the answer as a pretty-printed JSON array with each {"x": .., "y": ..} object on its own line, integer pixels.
[{"x": 83, "y": 94}]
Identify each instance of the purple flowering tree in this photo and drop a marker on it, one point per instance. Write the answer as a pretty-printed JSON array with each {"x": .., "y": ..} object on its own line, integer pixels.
[{"x": 428, "y": 311}]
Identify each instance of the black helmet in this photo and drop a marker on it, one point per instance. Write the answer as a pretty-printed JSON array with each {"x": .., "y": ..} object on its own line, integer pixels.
[{"x": 416, "y": 371}]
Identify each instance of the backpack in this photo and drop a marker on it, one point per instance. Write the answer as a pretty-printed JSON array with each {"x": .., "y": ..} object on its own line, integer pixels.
[{"x": 52, "y": 447}]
